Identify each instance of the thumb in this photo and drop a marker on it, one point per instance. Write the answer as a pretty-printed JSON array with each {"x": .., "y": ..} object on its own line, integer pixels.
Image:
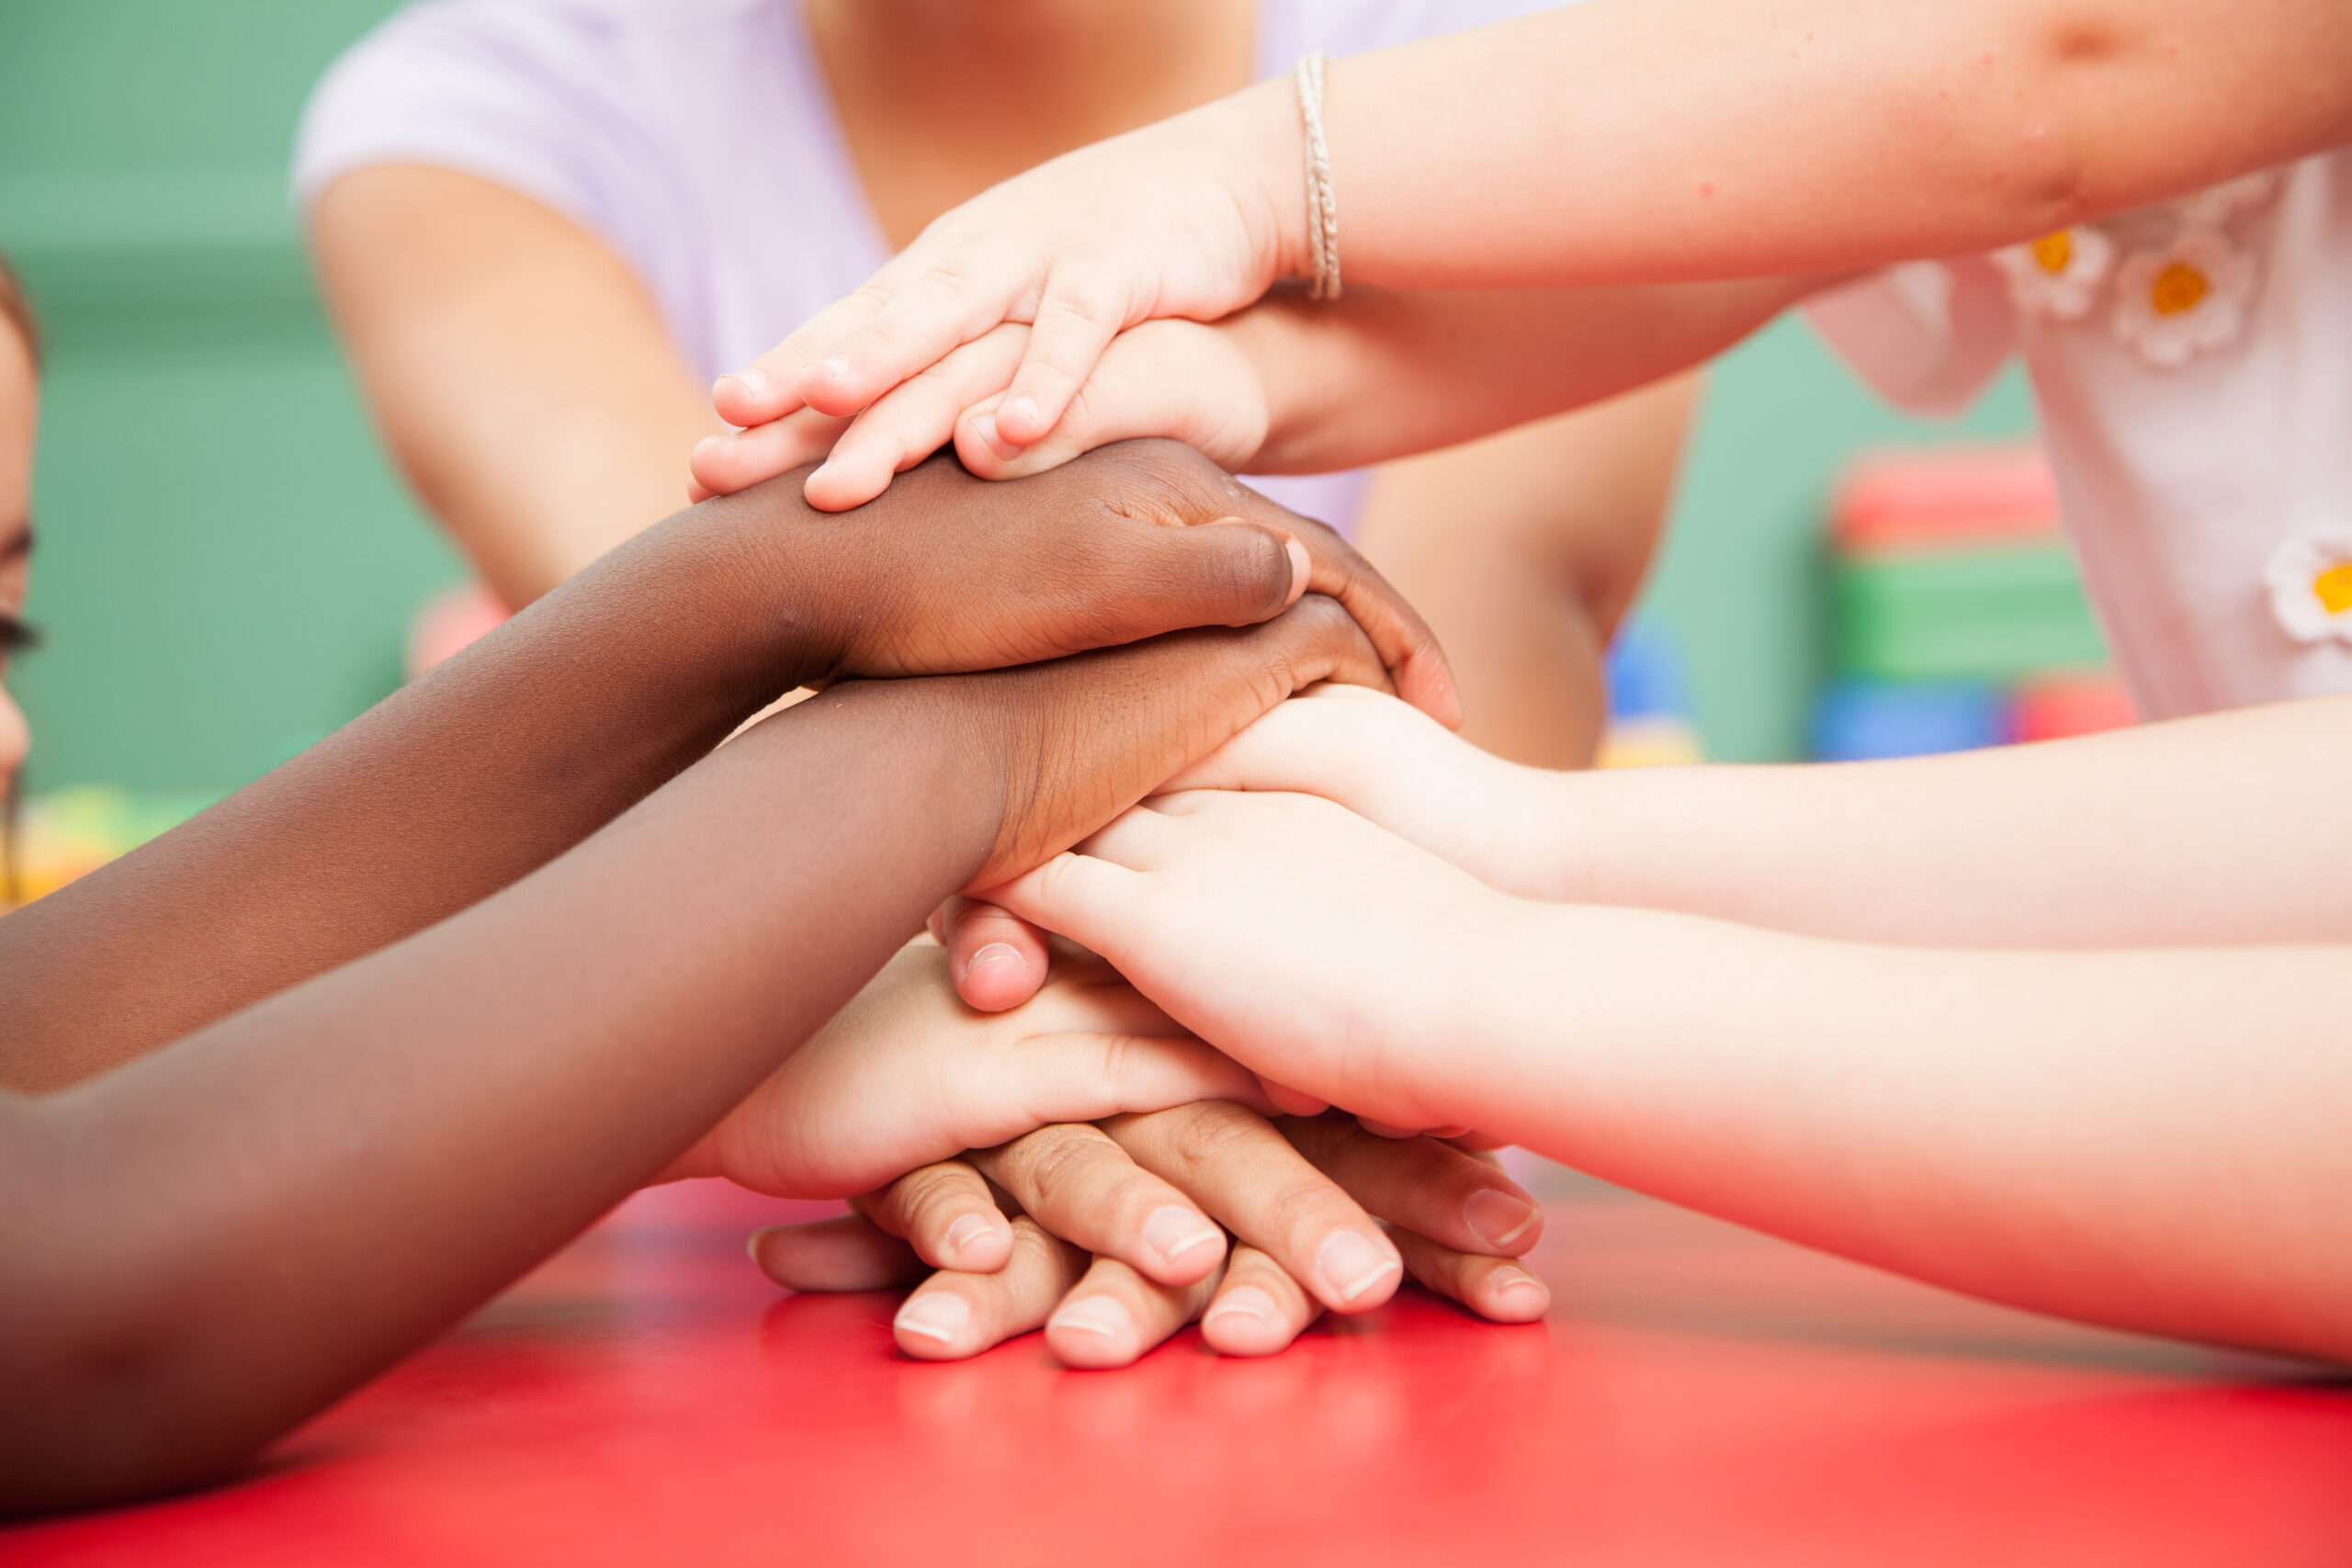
[
  {"x": 998, "y": 959},
  {"x": 1096, "y": 903}
]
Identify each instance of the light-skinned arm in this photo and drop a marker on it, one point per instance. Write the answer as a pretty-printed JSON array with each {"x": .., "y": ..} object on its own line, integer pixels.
[
  {"x": 2220, "y": 828},
  {"x": 1621, "y": 142},
  {"x": 2149, "y": 1138},
  {"x": 452, "y": 294}
]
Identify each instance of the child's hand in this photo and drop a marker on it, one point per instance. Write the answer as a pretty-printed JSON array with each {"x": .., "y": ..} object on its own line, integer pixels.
[
  {"x": 1300, "y": 1196},
  {"x": 1076, "y": 741},
  {"x": 1184, "y": 380},
  {"x": 1193, "y": 217},
  {"x": 948, "y": 574},
  {"x": 1380, "y": 758},
  {"x": 1391, "y": 765},
  {"x": 906, "y": 1076},
  {"x": 1319, "y": 951}
]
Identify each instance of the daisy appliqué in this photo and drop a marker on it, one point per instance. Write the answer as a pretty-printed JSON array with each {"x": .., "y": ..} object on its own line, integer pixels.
[
  {"x": 2057, "y": 276},
  {"x": 2186, "y": 298},
  {"x": 2309, "y": 579}
]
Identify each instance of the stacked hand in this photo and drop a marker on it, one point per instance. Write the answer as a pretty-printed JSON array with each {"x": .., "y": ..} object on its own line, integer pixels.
[
  {"x": 1163, "y": 1147},
  {"x": 1193, "y": 218}
]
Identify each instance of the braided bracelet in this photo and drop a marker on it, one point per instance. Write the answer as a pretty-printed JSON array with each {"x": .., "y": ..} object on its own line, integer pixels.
[{"x": 1322, "y": 206}]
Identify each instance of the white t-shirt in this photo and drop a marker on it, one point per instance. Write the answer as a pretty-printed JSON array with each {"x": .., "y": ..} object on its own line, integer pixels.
[
  {"x": 2193, "y": 366},
  {"x": 698, "y": 139}
]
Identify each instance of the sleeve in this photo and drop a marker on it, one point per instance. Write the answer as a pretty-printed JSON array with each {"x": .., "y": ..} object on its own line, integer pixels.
[
  {"x": 507, "y": 92},
  {"x": 1926, "y": 336}
]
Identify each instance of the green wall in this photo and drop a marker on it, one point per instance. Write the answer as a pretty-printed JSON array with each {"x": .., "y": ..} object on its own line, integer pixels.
[
  {"x": 1741, "y": 581},
  {"x": 226, "y": 566}
]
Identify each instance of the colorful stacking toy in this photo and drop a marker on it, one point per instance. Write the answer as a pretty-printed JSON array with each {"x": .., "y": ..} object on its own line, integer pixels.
[
  {"x": 1958, "y": 619},
  {"x": 1651, "y": 720}
]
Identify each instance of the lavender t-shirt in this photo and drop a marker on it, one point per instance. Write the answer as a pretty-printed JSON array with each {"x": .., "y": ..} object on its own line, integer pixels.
[{"x": 697, "y": 138}]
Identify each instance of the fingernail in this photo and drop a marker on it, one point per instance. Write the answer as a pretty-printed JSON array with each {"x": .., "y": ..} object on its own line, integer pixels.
[
  {"x": 1023, "y": 407},
  {"x": 939, "y": 1316},
  {"x": 984, "y": 426},
  {"x": 1353, "y": 1263},
  {"x": 994, "y": 952},
  {"x": 1105, "y": 1315},
  {"x": 1172, "y": 1232},
  {"x": 753, "y": 379},
  {"x": 1247, "y": 1300},
  {"x": 1508, "y": 1278},
  {"x": 1500, "y": 1218},
  {"x": 752, "y": 1246},
  {"x": 961, "y": 1234},
  {"x": 833, "y": 365},
  {"x": 1301, "y": 569}
]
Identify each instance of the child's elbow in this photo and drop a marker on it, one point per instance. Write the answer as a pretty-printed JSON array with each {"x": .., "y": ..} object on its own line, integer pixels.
[{"x": 2058, "y": 74}]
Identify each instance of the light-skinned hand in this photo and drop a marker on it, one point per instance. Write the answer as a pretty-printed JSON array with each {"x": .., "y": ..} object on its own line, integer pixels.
[
  {"x": 1378, "y": 757},
  {"x": 1184, "y": 380},
  {"x": 906, "y": 1077},
  {"x": 1324, "y": 1215},
  {"x": 1317, "y": 949},
  {"x": 1180, "y": 218}
]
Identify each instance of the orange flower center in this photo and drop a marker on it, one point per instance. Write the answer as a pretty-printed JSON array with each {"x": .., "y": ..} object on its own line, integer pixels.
[
  {"x": 2178, "y": 287},
  {"x": 2054, "y": 253},
  {"x": 2333, "y": 587}
]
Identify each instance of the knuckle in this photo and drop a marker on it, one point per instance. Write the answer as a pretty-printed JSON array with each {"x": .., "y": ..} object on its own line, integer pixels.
[
  {"x": 1053, "y": 1161},
  {"x": 1212, "y": 1135}
]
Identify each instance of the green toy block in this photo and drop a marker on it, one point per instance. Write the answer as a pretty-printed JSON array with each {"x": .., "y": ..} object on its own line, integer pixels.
[{"x": 1986, "y": 614}]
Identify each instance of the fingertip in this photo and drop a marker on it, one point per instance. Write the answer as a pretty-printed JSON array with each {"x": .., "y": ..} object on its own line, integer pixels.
[
  {"x": 1358, "y": 1271},
  {"x": 834, "y": 486},
  {"x": 1427, "y": 682},
  {"x": 1246, "y": 1321},
  {"x": 745, "y": 397},
  {"x": 977, "y": 1243},
  {"x": 935, "y": 1325},
  {"x": 987, "y": 434},
  {"x": 1301, "y": 567},
  {"x": 1000, "y": 978},
  {"x": 1022, "y": 419},
  {"x": 1508, "y": 1293},
  {"x": 831, "y": 386},
  {"x": 1291, "y": 1101},
  {"x": 1093, "y": 1332}
]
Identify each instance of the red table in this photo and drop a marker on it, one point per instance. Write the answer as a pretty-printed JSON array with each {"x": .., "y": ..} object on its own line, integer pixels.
[{"x": 1699, "y": 1396}]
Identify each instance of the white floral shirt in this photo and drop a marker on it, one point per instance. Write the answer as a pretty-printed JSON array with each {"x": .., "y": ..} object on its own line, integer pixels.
[{"x": 2192, "y": 362}]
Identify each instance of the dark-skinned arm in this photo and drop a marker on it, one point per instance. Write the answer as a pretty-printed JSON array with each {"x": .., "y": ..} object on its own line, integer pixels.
[
  {"x": 519, "y": 748},
  {"x": 209, "y": 1244}
]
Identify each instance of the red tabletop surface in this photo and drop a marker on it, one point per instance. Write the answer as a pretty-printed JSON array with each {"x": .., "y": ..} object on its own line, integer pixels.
[{"x": 1699, "y": 1394}]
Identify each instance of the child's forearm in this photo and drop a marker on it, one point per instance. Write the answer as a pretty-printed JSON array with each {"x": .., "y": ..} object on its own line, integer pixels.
[
  {"x": 210, "y": 1243},
  {"x": 2218, "y": 829},
  {"x": 524, "y": 744},
  {"x": 1384, "y": 374},
  {"x": 1651, "y": 140},
  {"x": 2152, "y": 1140},
  {"x": 482, "y": 769}
]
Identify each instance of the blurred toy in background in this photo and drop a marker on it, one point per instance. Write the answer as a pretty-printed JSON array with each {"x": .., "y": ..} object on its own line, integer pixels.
[
  {"x": 67, "y": 832},
  {"x": 1652, "y": 722},
  {"x": 1958, "y": 619}
]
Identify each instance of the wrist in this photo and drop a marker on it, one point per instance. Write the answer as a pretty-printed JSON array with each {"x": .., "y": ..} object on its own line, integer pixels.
[{"x": 1264, "y": 147}]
